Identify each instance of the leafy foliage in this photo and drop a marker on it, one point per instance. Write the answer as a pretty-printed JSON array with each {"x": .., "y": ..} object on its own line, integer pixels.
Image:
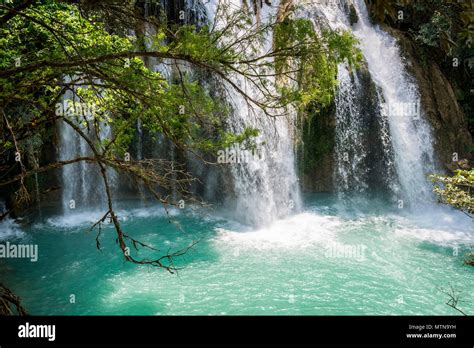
[
  {"x": 456, "y": 190},
  {"x": 82, "y": 52},
  {"x": 444, "y": 30},
  {"x": 317, "y": 74},
  {"x": 435, "y": 31}
]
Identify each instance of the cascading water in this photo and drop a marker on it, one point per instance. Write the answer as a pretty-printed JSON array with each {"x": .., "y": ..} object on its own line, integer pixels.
[
  {"x": 374, "y": 148},
  {"x": 349, "y": 129},
  {"x": 382, "y": 141},
  {"x": 363, "y": 149},
  {"x": 266, "y": 186},
  {"x": 410, "y": 133},
  {"x": 377, "y": 263},
  {"x": 9, "y": 229},
  {"x": 82, "y": 184}
]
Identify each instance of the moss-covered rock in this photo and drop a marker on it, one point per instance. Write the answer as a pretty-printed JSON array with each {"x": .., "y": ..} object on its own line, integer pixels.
[
  {"x": 315, "y": 150},
  {"x": 353, "y": 17}
]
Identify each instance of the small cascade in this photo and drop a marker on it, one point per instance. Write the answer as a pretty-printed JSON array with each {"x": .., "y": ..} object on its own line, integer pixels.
[
  {"x": 139, "y": 140},
  {"x": 383, "y": 143},
  {"x": 140, "y": 156},
  {"x": 350, "y": 153},
  {"x": 363, "y": 149},
  {"x": 410, "y": 133},
  {"x": 266, "y": 185},
  {"x": 82, "y": 183}
]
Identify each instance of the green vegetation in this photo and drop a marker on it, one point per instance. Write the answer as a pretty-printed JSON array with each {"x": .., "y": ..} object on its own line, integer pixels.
[
  {"x": 316, "y": 77},
  {"x": 77, "y": 62},
  {"x": 316, "y": 82},
  {"x": 456, "y": 190},
  {"x": 444, "y": 30}
]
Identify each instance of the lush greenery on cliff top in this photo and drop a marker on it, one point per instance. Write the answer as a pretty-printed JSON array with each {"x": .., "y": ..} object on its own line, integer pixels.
[{"x": 444, "y": 29}]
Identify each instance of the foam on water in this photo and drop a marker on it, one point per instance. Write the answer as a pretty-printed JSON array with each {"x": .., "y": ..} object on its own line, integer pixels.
[
  {"x": 79, "y": 219},
  {"x": 84, "y": 218},
  {"x": 285, "y": 268},
  {"x": 9, "y": 230},
  {"x": 297, "y": 231},
  {"x": 307, "y": 229}
]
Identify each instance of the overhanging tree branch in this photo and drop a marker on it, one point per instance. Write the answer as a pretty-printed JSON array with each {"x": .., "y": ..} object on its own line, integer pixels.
[{"x": 12, "y": 12}]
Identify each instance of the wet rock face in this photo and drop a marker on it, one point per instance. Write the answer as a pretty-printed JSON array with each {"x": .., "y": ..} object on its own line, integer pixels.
[
  {"x": 378, "y": 163},
  {"x": 317, "y": 152},
  {"x": 439, "y": 103},
  {"x": 438, "y": 100},
  {"x": 353, "y": 17}
]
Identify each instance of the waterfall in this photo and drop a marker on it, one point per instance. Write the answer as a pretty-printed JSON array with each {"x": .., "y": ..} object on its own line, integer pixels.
[
  {"x": 139, "y": 140},
  {"x": 82, "y": 183},
  {"x": 382, "y": 140},
  {"x": 350, "y": 155},
  {"x": 382, "y": 143},
  {"x": 363, "y": 149},
  {"x": 266, "y": 186},
  {"x": 410, "y": 133}
]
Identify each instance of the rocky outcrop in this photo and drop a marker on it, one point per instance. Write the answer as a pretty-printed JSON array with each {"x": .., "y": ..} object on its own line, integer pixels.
[
  {"x": 315, "y": 151},
  {"x": 353, "y": 17},
  {"x": 438, "y": 101},
  {"x": 463, "y": 164}
]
